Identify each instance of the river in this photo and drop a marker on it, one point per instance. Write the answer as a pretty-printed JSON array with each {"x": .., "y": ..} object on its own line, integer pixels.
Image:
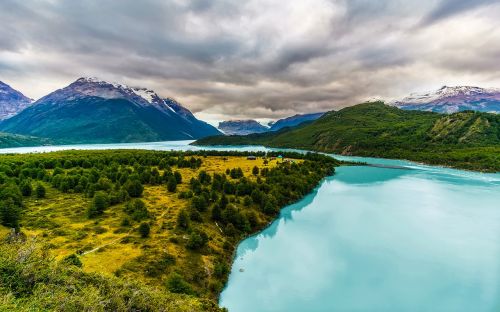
[{"x": 411, "y": 238}]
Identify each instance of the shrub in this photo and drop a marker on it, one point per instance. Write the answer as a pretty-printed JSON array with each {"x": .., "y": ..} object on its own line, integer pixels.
[
  {"x": 134, "y": 188},
  {"x": 144, "y": 229},
  {"x": 26, "y": 188},
  {"x": 10, "y": 213},
  {"x": 178, "y": 285},
  {"x": 197, "y": 240},
  {"x": 171, "y": 184},
  {"x": 99, "y": 203},
  {"x": 136, "y": 208},
  {"x": 73, "y": 259}
]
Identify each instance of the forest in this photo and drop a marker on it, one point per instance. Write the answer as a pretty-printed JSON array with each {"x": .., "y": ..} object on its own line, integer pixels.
[{"x": 93, "y": 221}]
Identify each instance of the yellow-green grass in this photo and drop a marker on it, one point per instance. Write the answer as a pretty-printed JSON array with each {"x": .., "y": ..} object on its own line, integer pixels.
[{"x": 60, "y": 221}]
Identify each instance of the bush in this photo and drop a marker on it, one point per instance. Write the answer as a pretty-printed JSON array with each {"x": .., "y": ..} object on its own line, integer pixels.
[
  {"x": 26, "y": 188},
  {"x": 73, "y": 259},
  {"x": 197, "y": 240},
  {"x": 99, "y": 203},
  {"x": 40, "y": 191},
  {"x": 178, "y": 177},
  {"x": 144, "y": 229},
  {"x": 136, "y": 208},
  {"x": 134, "y": 188},
  {"x": 183, "y": 220},
  {"x": 10, "y": 213},
  {"x": 178, "y": 285},
  {"x": 171, "y": 184}
]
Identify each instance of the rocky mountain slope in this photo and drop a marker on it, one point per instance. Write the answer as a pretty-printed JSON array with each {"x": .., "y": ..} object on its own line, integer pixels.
[
  {"x": 11, "y": 101},
  {"x": 94, "y": 111},
  {"x": 453, "y": 99}
]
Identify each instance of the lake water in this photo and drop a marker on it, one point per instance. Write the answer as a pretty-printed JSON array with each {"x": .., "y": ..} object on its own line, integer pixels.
[{"x": 417, "y": 238}]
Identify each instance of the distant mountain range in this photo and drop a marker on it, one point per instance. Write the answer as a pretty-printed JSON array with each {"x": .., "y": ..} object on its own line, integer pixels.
[
  {"x": 244, "y": 127},
  {"x": 11, "y": 101},
  {"x": 90, "y": 110},
  {"x": 453, "y": 99},
  {"x": 293, "y": 121},
  {"x": 94, "y": 111},
  {"x": 241, "y": 127}
]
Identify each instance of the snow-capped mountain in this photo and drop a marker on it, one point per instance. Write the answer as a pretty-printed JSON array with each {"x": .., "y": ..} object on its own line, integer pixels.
[
  {"x": 11, "y": 101},
  {"x": 93, "y": 110},
  {"x": 241, "y": 127},
  {"x": 453, "y": 99}
]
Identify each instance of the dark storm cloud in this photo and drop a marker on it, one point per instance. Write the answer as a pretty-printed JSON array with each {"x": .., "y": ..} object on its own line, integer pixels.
[{"x": 256, "y": 58}]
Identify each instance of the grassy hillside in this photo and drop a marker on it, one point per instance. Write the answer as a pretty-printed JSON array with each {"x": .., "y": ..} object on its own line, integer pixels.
[
  {"x": 17, "y": 140},
  {"x": 469, "y": 140},
  {"x": 168, "y": 220}
]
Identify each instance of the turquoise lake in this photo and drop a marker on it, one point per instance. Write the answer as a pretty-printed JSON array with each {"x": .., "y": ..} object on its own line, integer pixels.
[{"x": 412, "y": 238}]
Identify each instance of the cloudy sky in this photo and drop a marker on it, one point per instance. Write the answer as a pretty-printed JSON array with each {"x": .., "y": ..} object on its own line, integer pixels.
[{"x": 253, "y": 59}]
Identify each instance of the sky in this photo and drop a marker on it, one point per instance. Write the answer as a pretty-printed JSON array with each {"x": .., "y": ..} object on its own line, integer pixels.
[{"x": 260, "y": 59}]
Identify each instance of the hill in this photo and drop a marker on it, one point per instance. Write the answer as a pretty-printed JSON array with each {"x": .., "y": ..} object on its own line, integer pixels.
[
  {"x": 468, "y": 139},
  {"x": 15, "y": 140},
  {"x": 94, "y": 111}
]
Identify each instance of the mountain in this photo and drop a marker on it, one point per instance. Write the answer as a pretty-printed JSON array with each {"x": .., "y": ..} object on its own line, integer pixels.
[
  {"x": 241, "y": 127},
  {"x": 293, "y": 121},
  {"x": 94, "y": 111},
  {"x": 11, "y": 101},
  {"x": 453, "y": 99},
  {"x": 469, "y": 140}
]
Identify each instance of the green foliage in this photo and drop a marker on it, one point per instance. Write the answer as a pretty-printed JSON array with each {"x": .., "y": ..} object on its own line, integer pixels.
[
  {"x": 32, "y": 282},
  {"x": 171, "y": 184},
  {"x": 144, "y": 229},
  {"x": 134, "y": 188},
  {"x": 178, "y": 177},
  {"x": 183, "y": 220},
  {"x": 99, "y": 203},
  {"x": 10, "y": 213},
  {"x": 255, "y": 170},
  {"x": 136, "y": 209},
  {"x": 40, "y": 191},
  {"x": 178, "y": 285},
  {"x": 26, "y": 188},
  {"x": 197, "y": 239},
  {"x": 73, "y": 259}
]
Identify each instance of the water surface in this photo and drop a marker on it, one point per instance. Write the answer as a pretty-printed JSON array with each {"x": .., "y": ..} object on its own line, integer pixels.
[{"x": 378, "y": 239}]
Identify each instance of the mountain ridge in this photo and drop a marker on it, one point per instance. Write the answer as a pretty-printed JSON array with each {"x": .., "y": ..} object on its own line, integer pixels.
[
  {"x": 452, "y": 100},
  {"x": 91, "y": 110}
]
